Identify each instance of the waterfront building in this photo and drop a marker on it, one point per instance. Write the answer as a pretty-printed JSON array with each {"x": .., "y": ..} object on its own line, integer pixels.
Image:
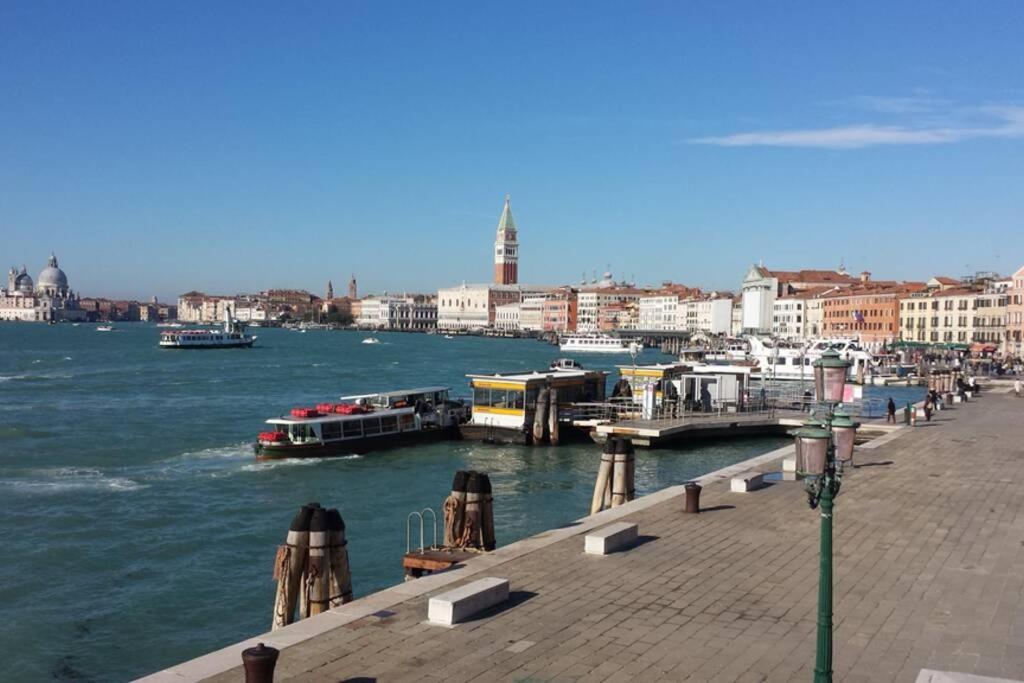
[
  {"x": 736, "y": 319},
  {"x": 560, "y": 311},
  {"x": 531, "y": 313},
  {"x": 473, "y": 306},
  {"x": 869, "y": 312},
  {"x": 710, "y": 314},
  {"x": 1014, "y": 338},
  {"x": 938, "y": 316},
  {"x": 506, "y": 318},
  {"x": 761, "y": 287},
  {"x": 789, "y": 316},
  {"x": 47, "y": 299},
  {"x": 601, "y": 306},
  {"x": 659, "y": 311},
  {"x": 506, "y": 248},
  {"x": 990, "y": 317}
]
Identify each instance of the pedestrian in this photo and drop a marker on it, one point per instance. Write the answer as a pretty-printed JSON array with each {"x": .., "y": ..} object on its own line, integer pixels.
[
  {"x": 928, "y": 409},
  {"x": 891, "y": 411},
  {"x": 1016, "y": 387}
]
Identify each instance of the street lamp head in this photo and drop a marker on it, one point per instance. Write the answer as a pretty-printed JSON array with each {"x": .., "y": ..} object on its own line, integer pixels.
[
  {"x": 812, "y": 444},
  {"x": 830, "y": 376},
  {"x": 843, "y": 432}
]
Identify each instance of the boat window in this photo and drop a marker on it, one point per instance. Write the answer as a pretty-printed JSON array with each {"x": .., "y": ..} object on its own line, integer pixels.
[
  {"x": 389, "y": 424},
  {"x": 352, "y": 428},
  {"x": 515, "y": 399},
  {"x": 371, "y": 426},
  {"x": 481, "y": 396},
  {"x": 407, "y": 422},
  {"x": 331, "y": 430}
]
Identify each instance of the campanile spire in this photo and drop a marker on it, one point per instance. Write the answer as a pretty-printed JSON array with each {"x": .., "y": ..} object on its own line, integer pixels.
[{"x": 506, "y": 248}]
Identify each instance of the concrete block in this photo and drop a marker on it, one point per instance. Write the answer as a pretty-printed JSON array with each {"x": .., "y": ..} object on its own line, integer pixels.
[
  {"x": 748, "y": 481},
  {"x": 610, "y": 538},
  {"x": 957, "y": 398},
  {"x": 789, "y": 464},
  {"x": 461, "y": 603}
]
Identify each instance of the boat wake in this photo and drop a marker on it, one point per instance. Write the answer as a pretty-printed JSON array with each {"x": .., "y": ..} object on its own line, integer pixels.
[
  {"x": 265, "y": 465},
  {"x": 66, "y": 479}
]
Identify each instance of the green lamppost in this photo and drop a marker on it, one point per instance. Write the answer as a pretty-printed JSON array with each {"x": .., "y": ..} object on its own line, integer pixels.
[{"x": 823, "y": 451}]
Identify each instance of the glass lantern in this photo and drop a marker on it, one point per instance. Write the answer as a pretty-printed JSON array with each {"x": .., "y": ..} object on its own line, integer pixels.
[
  {"x": 843, "y": 432},
  {"x": 812, "y": 444},
  {"x": 830, "y": 377}
]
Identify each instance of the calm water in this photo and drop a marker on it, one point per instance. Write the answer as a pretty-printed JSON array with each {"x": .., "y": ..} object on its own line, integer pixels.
[{"x": 139, "y": 531}]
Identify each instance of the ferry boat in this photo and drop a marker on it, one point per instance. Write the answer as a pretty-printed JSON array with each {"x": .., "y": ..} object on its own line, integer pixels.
[
  {"x": 364, "y": 423},
  {"x": 371, "y": 340},
  {"x": 565, "y": 364},
  {"x": 231, "y": 336},
  {"x": 105, "y": 328},
  {"x": 784, "y": 360},
  {"x": 173, "y": 325},
  {"x": 598, "y": 343}
]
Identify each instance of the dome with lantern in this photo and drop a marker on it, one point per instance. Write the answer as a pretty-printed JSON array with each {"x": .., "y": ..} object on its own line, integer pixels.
[{"x": 52, "y": 281}]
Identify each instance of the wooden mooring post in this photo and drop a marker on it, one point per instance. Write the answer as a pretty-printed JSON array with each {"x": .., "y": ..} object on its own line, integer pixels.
[
  {"x": 616, "y": 475},
  {"x": 311, "y": 568}
]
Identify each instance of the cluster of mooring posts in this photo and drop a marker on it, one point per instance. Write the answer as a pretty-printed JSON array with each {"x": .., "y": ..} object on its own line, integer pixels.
[
  {"x": 616, "y": 477},
  {"x": 545, "y": 418},
  {"x": 468, "y": 527},
  {"x": 311, "y": 568}
]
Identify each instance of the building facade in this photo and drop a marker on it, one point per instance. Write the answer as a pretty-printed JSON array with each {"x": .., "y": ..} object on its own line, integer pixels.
[{"x": 47, "y": 299}]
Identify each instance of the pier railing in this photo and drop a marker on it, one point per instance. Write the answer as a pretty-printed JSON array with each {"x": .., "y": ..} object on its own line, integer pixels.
[{"x": 622, "y": 409}]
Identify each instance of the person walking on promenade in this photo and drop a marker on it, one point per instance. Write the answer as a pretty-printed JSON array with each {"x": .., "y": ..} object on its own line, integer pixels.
[
  {"x": 891, "y": 411},
  {"x": 1016, "y": 387},
  {"x": 928, "y": 409}
]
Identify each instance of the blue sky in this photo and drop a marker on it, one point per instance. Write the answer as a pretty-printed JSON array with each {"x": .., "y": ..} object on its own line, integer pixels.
[{"x": 160, "y": 147}]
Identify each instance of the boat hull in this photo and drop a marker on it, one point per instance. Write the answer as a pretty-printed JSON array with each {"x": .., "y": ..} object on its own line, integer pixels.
[
  {"x": 240, "y": 345},
  {"x": 358, "y": 446}
]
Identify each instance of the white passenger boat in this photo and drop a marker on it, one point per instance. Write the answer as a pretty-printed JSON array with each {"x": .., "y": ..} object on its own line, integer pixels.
[
  {"x": 105, "y": 328},
  {"x": 783, "y": 360},
  {"x": 598, "y": 343},
  {"x": 170, "y": 325},
  {"x": 231, "y": 336},
  {"x": 363, "y": 423},
  {"x": 371, "y": 340}
]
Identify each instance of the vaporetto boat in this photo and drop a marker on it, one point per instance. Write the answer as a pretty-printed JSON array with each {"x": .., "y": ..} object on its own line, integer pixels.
[
  {"x": 231, "y": 336},
  {"x": 364, "y": 423},
  {"x": 784, "y": 360},
  {"x": 599, "y": 343}
]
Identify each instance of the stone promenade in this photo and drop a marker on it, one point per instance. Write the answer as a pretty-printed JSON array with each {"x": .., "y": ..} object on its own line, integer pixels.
[{"x": 929, "y": 573}]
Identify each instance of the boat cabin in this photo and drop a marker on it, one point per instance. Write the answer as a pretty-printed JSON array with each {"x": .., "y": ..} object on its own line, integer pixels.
[
  {"x": 426, "y": 397},
  {"x": 509, "y": 400},
  {"x": 700, "y": 386},
  {"x": 638, "y": 377}
]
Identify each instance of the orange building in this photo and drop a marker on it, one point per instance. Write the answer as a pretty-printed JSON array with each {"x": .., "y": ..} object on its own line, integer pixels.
[
  {"x": 870, "y": 313},
  {"x": 560, "y": 311}
]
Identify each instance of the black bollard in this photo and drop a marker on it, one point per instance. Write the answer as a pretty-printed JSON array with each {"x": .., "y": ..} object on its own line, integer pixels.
[
  {"x": 692, "y": 497},
  {"x": 259, "y": 663}
]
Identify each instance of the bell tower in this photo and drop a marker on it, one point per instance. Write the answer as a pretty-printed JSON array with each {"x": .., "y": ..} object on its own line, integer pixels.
[{"x": 506, "y": 248}]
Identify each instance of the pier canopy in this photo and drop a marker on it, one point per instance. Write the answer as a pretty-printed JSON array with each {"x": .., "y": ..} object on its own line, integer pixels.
[
  {"x": 694, "y": 383},
  {"x": 506, "y": 399}
]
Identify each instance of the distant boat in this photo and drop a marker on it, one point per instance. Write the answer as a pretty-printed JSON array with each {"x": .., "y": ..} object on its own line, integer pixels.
[
  {"x": 371, "y": 340},
  {"x": 448, "y": 336},
  {"x": 105, "y": 328},
  {"x": 598, "y": 343}
]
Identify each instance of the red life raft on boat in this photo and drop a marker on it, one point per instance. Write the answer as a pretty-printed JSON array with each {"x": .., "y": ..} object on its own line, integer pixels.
[
  {"x": 325, "y": 407},
  {"x": 305, "y": 412},
  {"x": 272, "y": 436},
  {"x": 350, "y": 409}
]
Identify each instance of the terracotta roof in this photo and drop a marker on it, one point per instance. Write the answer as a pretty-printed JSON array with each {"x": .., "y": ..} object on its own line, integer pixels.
[
  {"x": 812, "y": 276},
  {"x": 943, "y": 280}
]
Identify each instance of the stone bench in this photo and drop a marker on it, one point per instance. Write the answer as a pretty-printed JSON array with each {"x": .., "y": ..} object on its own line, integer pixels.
[
  {"x": 461, "y": 603},
  {"x": 610, "y": 538},
  {"x": 789, "y": 464},
  {"x": 748, "y": 481}
]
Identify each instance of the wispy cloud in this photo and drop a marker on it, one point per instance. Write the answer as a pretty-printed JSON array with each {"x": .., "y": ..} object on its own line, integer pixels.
[{"x": 979, "y": 122}]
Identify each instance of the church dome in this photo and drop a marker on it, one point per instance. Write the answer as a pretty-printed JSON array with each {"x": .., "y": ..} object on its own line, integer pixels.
[
  {"x": 52, "y": 277},
  {"x": 23, "y": 282}
]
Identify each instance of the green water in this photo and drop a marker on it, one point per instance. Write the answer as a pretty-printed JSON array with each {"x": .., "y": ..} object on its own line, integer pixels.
[{"x": 139, "y": 531}]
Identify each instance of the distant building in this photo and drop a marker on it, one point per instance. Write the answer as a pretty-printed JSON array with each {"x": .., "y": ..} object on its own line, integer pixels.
[
  {"x": 506, "y": 318},
  {"x": 49, "y": 298},
  {"x": 472, "y": 306},
  {"x": 1014, "y": 340},
  {"x": 601, "y": 308},
  {"x": 353, "y": 290},
  {"x": 506, "y": 248},
  {"x": 761, "y": 287},
  {"x": 869, "y": 313},
  {"x": 330, "y": 291}
]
